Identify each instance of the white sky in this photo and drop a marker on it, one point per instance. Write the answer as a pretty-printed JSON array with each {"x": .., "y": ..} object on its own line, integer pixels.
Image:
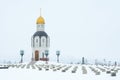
[{"x": 89, "y": 28}]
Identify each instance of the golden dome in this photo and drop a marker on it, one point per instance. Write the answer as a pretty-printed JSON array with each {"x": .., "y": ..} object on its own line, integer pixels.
[{"x": 40, "y": 20}]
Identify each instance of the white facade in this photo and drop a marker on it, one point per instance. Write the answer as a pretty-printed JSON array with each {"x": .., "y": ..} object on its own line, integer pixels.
[
  {"x": 40, "y": 27},
  {"x": 40, "y": 42}
]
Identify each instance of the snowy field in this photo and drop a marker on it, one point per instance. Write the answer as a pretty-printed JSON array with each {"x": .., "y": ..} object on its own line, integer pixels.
[{"x": 55, "y": 71}]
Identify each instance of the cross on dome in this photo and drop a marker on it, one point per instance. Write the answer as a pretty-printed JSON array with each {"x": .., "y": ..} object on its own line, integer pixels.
[{"x": 40, "y": 19}]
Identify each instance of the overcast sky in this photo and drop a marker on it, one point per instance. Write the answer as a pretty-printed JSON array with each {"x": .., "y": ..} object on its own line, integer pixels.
[{"x": 89, "y": 28}]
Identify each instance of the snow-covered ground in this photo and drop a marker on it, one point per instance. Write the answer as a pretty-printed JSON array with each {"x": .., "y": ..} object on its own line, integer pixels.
[{"x": 57, "y": 71}]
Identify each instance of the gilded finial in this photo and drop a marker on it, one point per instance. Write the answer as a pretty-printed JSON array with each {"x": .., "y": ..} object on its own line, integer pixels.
[
  {"x": 40, "y": 19},
  {"x": 40, "y": 11}
]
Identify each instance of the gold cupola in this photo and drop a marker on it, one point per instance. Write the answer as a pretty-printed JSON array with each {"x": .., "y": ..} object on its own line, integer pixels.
[{"x": 40, "y": 20}]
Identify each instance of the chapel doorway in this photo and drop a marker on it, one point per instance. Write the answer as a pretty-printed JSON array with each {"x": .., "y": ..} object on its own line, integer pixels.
[{"x": 36, "y": 55}]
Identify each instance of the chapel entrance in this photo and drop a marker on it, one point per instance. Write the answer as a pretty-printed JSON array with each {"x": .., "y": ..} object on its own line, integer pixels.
[{"x": 36, "y": 55}]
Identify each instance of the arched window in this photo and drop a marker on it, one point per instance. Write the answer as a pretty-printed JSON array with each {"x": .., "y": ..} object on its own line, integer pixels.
[
  {"x": 48, "y": 42},
  {"x": 43, "y": 41},
  {"x": 40, "y": 42},
  {"x": 36, "y": 41}
]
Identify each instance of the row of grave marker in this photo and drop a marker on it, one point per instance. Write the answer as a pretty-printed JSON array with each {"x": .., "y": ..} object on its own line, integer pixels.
[{"x": 97, "y": 70}]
